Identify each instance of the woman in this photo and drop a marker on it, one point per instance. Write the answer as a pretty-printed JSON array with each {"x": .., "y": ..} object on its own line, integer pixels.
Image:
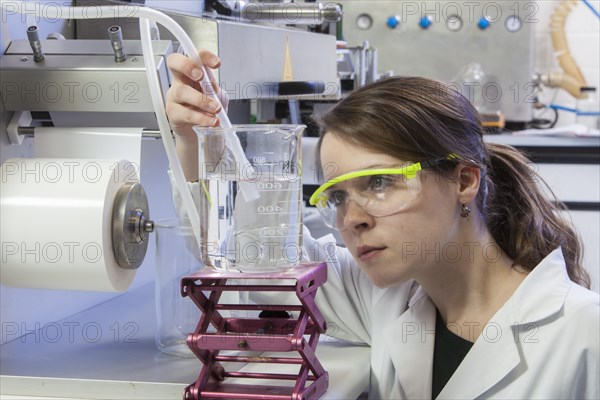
[{"x": 457, "y": 271}]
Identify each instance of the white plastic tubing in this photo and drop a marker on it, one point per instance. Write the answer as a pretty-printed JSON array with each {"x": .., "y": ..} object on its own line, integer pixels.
[{"x": 144, "y": 14}]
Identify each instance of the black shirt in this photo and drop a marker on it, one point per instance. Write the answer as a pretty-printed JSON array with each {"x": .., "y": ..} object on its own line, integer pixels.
[{"x": 448, "y": 353}]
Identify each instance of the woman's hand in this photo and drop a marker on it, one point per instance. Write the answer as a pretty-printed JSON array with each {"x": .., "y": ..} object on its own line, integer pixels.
[{"x": 187, "y": 105}]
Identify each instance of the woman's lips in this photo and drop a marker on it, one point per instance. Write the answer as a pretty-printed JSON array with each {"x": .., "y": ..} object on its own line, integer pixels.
[{"x": 366, "y": 253}]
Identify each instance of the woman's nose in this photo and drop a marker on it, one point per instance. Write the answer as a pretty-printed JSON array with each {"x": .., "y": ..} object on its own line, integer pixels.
[{"x": 355, "y": 218}]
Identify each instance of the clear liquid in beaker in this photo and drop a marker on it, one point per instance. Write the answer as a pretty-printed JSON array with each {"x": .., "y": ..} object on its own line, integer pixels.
[
  {"x": 254, "y": 217},
  {"x": 260, "y": 235}
]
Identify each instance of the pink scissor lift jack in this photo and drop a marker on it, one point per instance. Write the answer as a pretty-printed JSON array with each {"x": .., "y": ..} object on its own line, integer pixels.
[{"x": 254, "y": 335}]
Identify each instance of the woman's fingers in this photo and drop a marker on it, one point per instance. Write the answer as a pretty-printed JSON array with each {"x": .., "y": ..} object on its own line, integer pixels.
[
  {"x": 187, "y": 104},
  {"x": 184, "y": 94},
  {"x": 183, "y": 67},
  {"x": 182, "y": 117},
  {"x": 209, "y": 59}
]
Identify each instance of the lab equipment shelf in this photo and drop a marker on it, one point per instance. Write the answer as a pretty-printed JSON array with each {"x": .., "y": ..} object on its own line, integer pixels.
[{"x": 108, "y": 352}]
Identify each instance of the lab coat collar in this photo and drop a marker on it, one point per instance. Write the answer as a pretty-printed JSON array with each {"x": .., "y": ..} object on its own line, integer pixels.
[
  {"x": 495, "y": 353},
  {"x": 379, "y": 294},
  {"x": 543, "y": 293},
  {"x": 493, "y": 356},
  {"x": 410, "y": 340}
]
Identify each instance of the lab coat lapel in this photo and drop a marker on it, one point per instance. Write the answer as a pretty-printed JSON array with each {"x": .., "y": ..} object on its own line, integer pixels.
[
  {"x": 410, "y": 340},
  {"x": 495, "y": 353},
  {"x": 493, "y": 356}
]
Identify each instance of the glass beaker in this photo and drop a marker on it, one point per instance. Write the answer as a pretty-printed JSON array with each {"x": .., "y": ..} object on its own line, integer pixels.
[
  {"x": 473, "y": 81},
  {"x": 251, "y": 207},
  {"x": 177, "y": 255}
]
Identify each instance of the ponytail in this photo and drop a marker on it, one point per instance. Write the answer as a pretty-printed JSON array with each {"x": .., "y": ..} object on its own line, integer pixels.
[{"x": 521, "y": 219}]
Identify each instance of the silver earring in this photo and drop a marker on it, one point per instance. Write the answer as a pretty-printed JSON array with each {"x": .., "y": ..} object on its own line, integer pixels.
[{"x": 465, "y": 211}]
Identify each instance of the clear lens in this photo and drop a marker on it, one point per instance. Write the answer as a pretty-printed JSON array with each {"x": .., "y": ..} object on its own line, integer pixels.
[{"x": 377, "y": 195}]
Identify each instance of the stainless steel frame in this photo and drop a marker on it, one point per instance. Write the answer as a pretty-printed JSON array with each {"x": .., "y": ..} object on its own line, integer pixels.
[
  {"x": 253, "y": 56},
  {"x": 79, "y": 76},
  {"x": 445, "y": 47}
]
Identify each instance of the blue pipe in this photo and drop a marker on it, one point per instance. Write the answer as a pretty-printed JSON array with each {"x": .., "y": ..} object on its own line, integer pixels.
[
  {"x": 591, "y": 7},
  {"x": 574, "y": 110},
  {"x": 563, "y": 108}
]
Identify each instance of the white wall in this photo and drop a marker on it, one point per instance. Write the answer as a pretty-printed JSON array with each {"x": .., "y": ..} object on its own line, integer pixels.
[{"x": 583, "y": 34}]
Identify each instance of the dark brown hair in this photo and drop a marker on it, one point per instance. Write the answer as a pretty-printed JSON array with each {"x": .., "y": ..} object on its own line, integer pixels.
[{"x": 414, "y": 119}]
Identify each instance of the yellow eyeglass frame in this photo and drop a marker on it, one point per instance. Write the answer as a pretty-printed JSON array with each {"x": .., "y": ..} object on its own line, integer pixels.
[
  {"x": 320, "y": 200},
  {"x": 409, "y": 171}
]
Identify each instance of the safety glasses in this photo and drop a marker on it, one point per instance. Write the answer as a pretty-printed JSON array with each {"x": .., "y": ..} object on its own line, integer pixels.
[{"x": 379, "y": 192}]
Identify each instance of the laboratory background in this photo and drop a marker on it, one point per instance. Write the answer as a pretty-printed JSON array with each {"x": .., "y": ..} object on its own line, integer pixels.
[{"x": 70, "y": 84}]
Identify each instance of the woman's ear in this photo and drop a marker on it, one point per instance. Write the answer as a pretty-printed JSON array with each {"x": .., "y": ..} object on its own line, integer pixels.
[{"x": 469, "y": 179}]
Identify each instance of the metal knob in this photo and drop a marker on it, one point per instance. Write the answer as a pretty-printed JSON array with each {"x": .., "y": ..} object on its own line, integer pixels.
[
  {"x": 131, "y": 226},
  {"x": 332, "y": 12},
  {"x": 116, "y": 41},
  {"x": 34, "y": 42}
]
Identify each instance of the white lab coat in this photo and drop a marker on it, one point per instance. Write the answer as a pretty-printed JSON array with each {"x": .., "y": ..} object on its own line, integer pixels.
[{"x": 544, "y": 343}]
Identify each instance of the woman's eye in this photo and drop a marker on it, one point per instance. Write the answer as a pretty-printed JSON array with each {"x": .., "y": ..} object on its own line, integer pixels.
[
  {"x": 337, "y": 197},
  {"x": 379, "y": 182}
]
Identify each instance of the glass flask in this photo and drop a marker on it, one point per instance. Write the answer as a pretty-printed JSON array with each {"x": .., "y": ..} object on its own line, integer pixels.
[{"x": 177, "y": 255}]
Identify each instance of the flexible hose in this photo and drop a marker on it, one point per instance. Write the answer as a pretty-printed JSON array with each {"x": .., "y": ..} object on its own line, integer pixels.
[
  {"x": 561, "y": 48},
  {"x": 165, "y": 131},
  {"x": 561, "y": 80}
]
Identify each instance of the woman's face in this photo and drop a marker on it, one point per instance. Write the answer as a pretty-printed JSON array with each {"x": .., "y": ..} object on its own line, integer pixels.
[{"x": 401, "y": 246}]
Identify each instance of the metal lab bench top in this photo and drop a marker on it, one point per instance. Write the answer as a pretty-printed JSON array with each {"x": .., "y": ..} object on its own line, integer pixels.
[{"x": 108, "y": 352}]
